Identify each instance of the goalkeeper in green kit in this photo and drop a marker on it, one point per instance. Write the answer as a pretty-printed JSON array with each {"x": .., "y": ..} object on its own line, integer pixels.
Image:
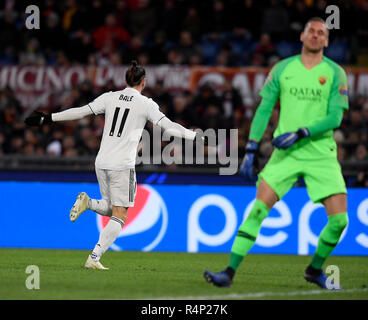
[{"x": 312, "y": 91}]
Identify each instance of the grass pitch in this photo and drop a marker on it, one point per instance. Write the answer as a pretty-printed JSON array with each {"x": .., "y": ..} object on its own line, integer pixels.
[{"x": 167, "y": 275}]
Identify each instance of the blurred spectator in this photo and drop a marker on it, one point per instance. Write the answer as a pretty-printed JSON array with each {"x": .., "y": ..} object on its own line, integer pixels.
[
  {"x": 81, "y": 46},
  {"x": 122, "y": 13},
  {"x": 133, "y": 50},
  {"x": 186, "y": 47},
  {"x": 7, "y": 97},
  {"x": 32, "y": 55},
  {"x": 74, "y": 17},
  {"x": 96, "y": 13},
  {"x": 218, "y": 20},
  {"x": 174, "y": 57},
  {"x": 360, "y": 153},
  {"x": 348, "y": 19},
  {"x": 68, "y": 146},
  {"x": 52, "y": 26},
  {"x": 54, "y": 146},
  {"x": 158, "y": 49},
  {"x": 355, "y": 125},
  {"x": 247, "y": 16},
  {"x": 275, "y": 20},
  {"x": 231, "y": 103},
  {"x": 362, "y": 180},
  {"x": 192, "y": 22},
  {"x": 161, "y": 96},
  {"x": 208, "y": 107},
  {"x": 62, "y": 60},
  {"x": 299, "y": 15},
  {"x": 319, "y": 9},
  {"x": 143, "y": 19},
  {"x": 341, "y": 153},
  {"x": 227, "y": 57},
  {"x": 362, "y": 24},
  {"x": 86, "y": 92},
  {"x": 110, "y": 36},
  {"x": 3, "y": 141},
  {"x": 9, "y": 33},
  {"x": 181, "y": 113},
  {"x": 168, "y": 21},
  {"x": 264, "y": 51}
]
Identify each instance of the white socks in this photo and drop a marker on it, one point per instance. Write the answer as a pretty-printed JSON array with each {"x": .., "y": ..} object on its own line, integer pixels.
[
  {"x": 110, "y": 232},
  {"x": 107, "y": 237},
  {"x": 101, "y": 207}
]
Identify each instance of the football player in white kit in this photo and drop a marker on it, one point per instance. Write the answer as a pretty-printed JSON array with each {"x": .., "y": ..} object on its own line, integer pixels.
[{"x": 126, "y": 113}]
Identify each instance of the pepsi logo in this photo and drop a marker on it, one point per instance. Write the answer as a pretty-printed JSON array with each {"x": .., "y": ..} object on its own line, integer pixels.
[{"x": 148, "y": 213}]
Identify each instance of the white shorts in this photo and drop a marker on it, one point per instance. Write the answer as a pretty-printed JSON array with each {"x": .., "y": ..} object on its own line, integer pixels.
[{"x": 117, "y": 187}]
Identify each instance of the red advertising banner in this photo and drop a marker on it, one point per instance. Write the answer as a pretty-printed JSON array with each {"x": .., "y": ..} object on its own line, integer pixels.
[
  {"x": 43, "y": 86},
  {"x": 249, "y": 80}
]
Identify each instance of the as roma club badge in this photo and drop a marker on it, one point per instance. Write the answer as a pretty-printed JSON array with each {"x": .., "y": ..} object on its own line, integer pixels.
[{"x": 322, "y": 80}]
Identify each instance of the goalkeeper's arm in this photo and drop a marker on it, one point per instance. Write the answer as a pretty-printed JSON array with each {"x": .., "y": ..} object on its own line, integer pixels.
[
  {"x": 261, "y": 119},
  {"x": 249, "y": 166},
  {"x": 331, "y": 121}
]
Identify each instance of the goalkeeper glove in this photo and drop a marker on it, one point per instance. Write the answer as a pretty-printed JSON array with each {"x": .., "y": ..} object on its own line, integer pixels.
[
  {"x": 249, "y": 167},
  {"x": 286, "y": 140},
  {"x": 38, "y": 120}
]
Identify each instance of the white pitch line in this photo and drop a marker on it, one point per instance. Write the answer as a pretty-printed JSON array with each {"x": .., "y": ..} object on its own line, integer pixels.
[{"x": 261, "y": 294}]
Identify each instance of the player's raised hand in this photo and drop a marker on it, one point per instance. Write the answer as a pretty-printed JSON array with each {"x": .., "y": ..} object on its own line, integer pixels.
[
  {"x": 38, "y": 119},
  {"x": 249, "y": 166},
  {"x": 287, "y": 139}
]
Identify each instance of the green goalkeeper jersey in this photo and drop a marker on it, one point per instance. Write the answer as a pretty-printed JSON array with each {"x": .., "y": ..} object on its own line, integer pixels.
[{"x": 306, "y": 97}]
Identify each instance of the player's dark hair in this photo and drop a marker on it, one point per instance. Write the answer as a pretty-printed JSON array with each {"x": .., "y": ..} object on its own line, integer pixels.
[
  {"x": 134, "y": 74},
  {"x": 318, "y": 19}
]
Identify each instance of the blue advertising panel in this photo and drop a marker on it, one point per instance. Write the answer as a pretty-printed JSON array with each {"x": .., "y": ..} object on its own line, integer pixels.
[{"x": 186, "y": 218}]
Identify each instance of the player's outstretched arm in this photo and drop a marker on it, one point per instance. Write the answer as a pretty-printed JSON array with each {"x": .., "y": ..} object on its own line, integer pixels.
[
  {"x": 177, "y": 130},
  {"x": 39, "y": 118}
]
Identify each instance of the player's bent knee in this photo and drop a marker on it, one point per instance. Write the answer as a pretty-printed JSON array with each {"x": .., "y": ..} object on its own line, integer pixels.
[
  {"x": 343, "y": 221},
  {"x": 266, "y": 194},
  {"x": 120, "y": 212},
  {"x": 339, "y": 222}
]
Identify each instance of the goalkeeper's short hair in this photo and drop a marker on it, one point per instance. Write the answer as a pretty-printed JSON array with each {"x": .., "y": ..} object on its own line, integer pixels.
[{"x": 318, "y": 19}]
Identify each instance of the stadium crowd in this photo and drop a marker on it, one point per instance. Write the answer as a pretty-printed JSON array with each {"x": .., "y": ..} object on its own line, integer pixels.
[
  {"x": 218, "y": 32},
  {"x": 207, "y": 108},
  {"x": 209, "y": 32}
]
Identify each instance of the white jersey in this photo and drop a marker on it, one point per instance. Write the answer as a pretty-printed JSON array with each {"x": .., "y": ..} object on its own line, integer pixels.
[{"x": 126, "y": 113}]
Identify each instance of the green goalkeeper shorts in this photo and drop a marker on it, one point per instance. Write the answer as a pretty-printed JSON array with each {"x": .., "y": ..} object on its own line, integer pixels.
[{"x": 323, "y": 177}]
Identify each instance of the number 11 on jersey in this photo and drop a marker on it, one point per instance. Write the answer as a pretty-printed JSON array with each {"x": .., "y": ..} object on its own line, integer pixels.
[{"x": 123, "y": 120}]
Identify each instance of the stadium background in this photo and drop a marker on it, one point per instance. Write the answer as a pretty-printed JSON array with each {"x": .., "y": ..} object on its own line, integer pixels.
[{"x": 205, "y": 62}]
